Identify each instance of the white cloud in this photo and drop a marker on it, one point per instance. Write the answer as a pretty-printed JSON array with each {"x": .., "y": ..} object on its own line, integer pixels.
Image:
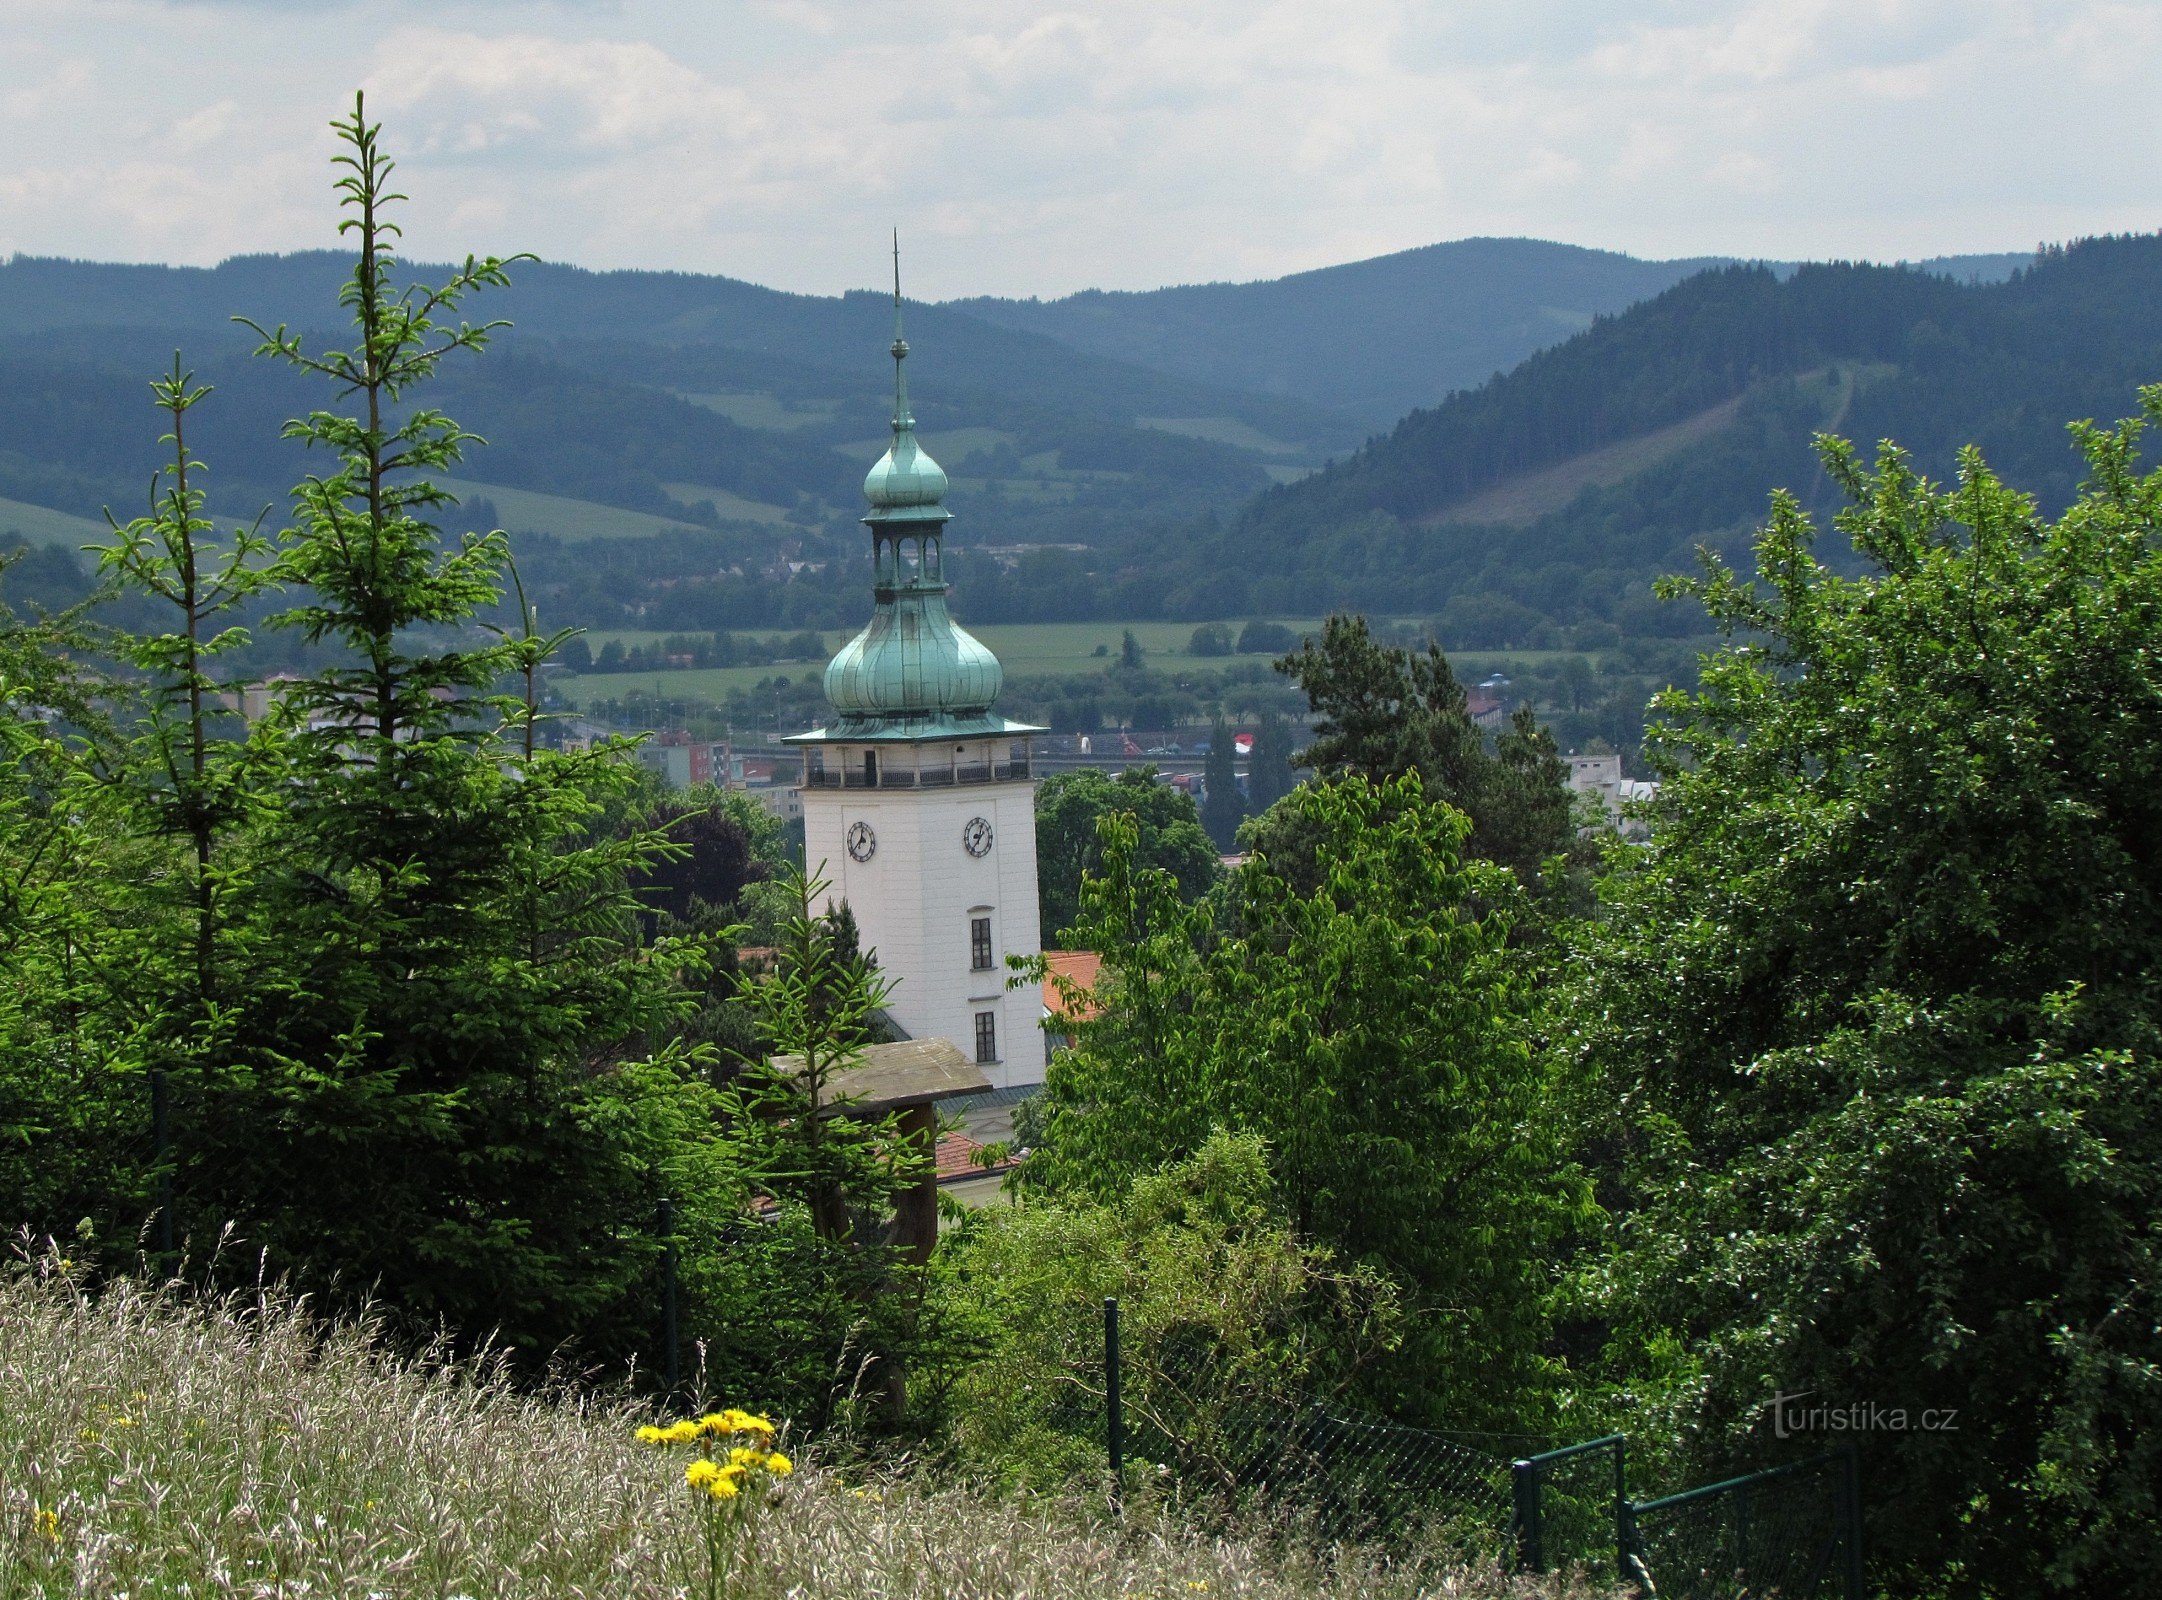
[{"x": 1031, "y": 148}]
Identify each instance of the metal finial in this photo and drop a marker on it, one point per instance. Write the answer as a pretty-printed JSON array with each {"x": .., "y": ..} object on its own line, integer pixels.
[{"x": 901, "y": 418}]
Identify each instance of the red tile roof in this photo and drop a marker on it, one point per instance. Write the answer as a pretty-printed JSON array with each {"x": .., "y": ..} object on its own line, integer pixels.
[
  {"x": 957, "y": 1159},
  {"x": 1077, "y": 967}
]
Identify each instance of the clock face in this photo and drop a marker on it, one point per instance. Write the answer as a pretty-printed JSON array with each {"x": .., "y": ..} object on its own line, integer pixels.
[
  {"x": 862, "y": 842},
  {"x": 976, "y": 837}
]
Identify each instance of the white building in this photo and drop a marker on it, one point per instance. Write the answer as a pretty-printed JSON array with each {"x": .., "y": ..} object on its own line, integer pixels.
[
  {"x": 918, "y": 806},
  {"x": 1602, "y": 776}
]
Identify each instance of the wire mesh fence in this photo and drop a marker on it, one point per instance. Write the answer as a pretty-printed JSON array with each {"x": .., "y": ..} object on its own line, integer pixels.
[
  {"x": 1791, "y": 1532},
  {"x": 1198, "y": 1428}
]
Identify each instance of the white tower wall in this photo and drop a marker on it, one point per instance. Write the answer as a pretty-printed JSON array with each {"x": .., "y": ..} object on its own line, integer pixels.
[{"x": 915, "y": 897}]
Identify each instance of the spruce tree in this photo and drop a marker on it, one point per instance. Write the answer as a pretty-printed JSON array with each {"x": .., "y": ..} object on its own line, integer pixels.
[
  {"x": 1222, "y": 807},
  {"x": 438, "y": 1084},
  {"x": 1269, "y": 776}
]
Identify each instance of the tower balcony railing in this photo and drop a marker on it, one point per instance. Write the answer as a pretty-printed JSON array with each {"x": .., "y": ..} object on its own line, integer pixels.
[{"x": 854, "y": 777}]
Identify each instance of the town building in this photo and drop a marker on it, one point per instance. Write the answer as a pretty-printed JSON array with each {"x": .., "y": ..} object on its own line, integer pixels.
[
  {"x": 918, "y": 805},
  {"x": 1601, "y": 775}
]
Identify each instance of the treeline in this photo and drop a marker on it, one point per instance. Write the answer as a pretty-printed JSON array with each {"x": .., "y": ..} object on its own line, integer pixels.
[{"x": 678, "y": 650}]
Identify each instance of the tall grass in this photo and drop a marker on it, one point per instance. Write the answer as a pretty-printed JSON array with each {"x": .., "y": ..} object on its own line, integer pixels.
[{"x": 153, "y": 1444}]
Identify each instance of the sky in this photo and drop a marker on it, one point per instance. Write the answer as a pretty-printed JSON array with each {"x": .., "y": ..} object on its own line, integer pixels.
[{"x": 1028, "y": 148}]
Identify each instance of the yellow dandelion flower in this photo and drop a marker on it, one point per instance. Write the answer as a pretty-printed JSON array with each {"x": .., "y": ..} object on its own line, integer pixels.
[
  {"x": 723, "y": 1489},
  {"x": 779, "y": 1465},
  {"x": 651, "y": 1435},
  {"x": 700, "y": 1472},
  {"x": 746, "y": 1423},
  {"x": 680, "y": 1433},
  {"x": 47, "y": 1524},
  {"x": 715, "y": 1422}
]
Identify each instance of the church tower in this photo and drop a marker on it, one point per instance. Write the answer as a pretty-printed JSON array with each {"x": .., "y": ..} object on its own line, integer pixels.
[{"x": 918, "y": 805}]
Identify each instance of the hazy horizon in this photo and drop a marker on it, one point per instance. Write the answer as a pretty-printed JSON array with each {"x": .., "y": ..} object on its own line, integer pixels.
[{"x": 1123, "y": 146}]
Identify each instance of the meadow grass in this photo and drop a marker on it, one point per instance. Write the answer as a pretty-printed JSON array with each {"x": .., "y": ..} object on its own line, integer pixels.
[{"x": 155, "y": 1444}]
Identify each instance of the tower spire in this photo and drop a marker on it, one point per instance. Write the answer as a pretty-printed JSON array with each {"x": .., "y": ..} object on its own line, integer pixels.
[{"x": 902, "y": 421}]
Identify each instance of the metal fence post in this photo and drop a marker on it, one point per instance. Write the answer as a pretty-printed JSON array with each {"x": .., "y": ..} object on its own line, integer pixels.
[
  {"x": 1114, "y": 1402},
  {"x": 1524, "y": 1484},
  {"x": 1633, "y": 1568},
  {"x": 161, "y": 1140},
  {"x": 670, "y": 1353},
  {"x": 1850, "y": 1495},
  {"x": 1621, "y": 1509}
]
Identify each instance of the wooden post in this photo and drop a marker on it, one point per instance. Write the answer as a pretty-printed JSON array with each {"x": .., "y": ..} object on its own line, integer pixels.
[{"x": 915, "y": 1211}]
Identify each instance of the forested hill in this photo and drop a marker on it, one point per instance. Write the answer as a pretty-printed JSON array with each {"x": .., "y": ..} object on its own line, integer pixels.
[
  {"x": 1376, "y": 338},
  {"x": 1551, "y": 496},
  {"x": 667, "y": 448},
  {"x": 608, "y": 319}
]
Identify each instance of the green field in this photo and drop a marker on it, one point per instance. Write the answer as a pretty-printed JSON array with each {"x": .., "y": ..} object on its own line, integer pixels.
[
  {"x": 1026, "y": 650},
  {"x": 41, "y": 526},
  {"x": 526, "y": 511},
  {"x": 762, "y": 410},
  {"x": 730, "y": 505}
]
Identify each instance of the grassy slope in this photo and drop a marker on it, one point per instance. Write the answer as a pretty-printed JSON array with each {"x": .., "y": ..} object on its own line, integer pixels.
[
  {"x": 1025, "y": 650},
  {"x": 40, "y": 526},
  {"x": 152, "y": 1448},
  {"x": 526, "y": 511}
]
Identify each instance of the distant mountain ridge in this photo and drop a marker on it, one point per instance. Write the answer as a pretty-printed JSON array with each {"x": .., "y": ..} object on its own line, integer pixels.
[
  {"x": 1548, "y": 499},
  {"x": 678, "y": 451},
  {"x": 1381, "y": 337},
  {"x": 841, "y": 336}
]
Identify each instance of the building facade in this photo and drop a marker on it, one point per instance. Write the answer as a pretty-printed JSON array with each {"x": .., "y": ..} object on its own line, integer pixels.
[{"x": 919, "y": 809}]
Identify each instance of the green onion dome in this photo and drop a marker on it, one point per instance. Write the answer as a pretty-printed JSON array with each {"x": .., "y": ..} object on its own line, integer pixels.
[
  {"x": 913, "y": 660},
  {"x": 906, "y": 480}
]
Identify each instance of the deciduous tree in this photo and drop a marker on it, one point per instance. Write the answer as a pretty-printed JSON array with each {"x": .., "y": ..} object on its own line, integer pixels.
[{"x": 1877, "y": 1008}]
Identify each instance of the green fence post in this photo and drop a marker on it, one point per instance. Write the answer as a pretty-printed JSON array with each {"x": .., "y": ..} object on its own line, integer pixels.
[
  {"x": 161, "y": 1118},
  {"x": 1524, "y": 1482},
  {"x": 1621, "y": 1508},
  {"x": 1633, "y": 1568},
  {"x": 670, "y": 1354},
  {"x": 1114, "y": 1402},
  {"x": 1850, "y": 1495}
]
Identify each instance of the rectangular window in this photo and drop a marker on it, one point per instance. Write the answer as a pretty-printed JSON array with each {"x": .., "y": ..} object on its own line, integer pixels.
[
  {"x": 979, "y": 944},
  {"x": 986, "y": 1036}
]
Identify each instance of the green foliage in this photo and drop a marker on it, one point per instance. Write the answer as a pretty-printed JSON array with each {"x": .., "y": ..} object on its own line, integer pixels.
[
  {"x": 1876, "y": 1007},
  {"x": 383, "y": 949},
  {"x": 1380, "y": 712},
  {"x": 1370, "y": 1026},
  {"x": 727, "y": 844},
  {"x": 1069, "y": 845},
  {"x": 1223, "y": 1309},
  {"x": 1269, "y": 774},
  {"x": 844, "y": 1300},
  {"x": 1266, "y": 639},
  {"x": 1210, "y": 639},
  {"x": 74, "y": 1096}
]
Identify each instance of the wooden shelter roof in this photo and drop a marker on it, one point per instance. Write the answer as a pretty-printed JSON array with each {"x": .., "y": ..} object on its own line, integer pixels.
[{"x": 889, "y": 1077}]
